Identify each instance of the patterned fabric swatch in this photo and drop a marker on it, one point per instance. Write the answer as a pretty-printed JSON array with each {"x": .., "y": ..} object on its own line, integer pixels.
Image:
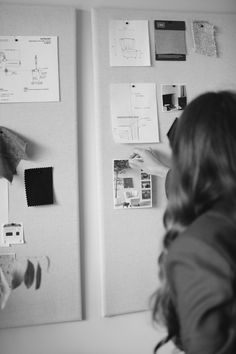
[
  {"x": 12, "y": 150},
  {"x": 204, "y": 38}
]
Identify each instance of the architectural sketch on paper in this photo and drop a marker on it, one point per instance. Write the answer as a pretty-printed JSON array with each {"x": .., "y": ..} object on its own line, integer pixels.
[{"x": 28, "y": 69}]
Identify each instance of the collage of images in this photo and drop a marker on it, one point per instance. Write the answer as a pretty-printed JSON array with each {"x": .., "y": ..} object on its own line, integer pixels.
[{"x": 131, "y": 188}]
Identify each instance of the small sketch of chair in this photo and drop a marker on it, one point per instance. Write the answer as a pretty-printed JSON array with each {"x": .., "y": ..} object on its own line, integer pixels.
[
  {"x": 132, "y": 198},
  {"x": 127, "y": 46}
]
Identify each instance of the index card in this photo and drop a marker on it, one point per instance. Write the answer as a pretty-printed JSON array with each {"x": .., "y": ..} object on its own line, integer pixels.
[
  {"x": 134, "y": 113},
  {"x": 129, "y": 43}
]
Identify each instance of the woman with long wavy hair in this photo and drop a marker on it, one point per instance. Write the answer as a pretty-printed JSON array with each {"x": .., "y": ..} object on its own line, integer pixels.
[{"x": 196, "y": 300}]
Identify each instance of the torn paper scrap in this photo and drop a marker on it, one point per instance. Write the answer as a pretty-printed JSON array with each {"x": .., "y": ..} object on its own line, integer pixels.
[
  {"x": 7, "y": 265},
  {"x": 5, "y": 290},
  {"x": 204, "y": 38}
]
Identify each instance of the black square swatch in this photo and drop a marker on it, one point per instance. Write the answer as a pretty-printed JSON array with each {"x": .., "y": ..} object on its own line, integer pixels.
[{"x": 39, "y": 186}]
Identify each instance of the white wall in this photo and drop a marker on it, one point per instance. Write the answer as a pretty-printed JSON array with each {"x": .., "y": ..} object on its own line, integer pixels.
[
  {"x": 173, "y": 5},
  {"x": 129, "y": 334}
]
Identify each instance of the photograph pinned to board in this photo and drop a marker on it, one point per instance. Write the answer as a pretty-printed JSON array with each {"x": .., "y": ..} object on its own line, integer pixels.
[
  {"x": 129, "y": 43},
  {"x": 174, "y": 97},
  {"x": 134, "y": 113},
  {"x": 170, "y": 41},
  {"x": 131, "y": 188},
  {"x": 204, "y": 38},
  {"x": 29, "y": 69}
]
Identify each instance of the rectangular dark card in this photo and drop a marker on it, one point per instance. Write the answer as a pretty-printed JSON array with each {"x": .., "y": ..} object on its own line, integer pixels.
[
  {"x": 170, "y": 42},
  {"x": 39, "y": 186}
]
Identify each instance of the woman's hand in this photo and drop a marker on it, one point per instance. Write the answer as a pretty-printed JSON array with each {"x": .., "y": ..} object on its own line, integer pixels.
[{"x": 155, "y": 162}]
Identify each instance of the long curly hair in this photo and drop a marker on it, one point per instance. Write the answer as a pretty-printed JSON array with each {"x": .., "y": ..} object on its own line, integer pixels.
[{"x": 203, "y": 172}]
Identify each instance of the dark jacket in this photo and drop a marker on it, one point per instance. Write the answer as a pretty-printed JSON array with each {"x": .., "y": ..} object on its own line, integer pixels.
[{"x": 201, "y": 270}]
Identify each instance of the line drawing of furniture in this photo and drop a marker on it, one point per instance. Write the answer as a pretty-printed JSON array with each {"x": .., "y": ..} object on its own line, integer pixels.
[
  {"x": 132, "y": 197},
  {"x": 9, "y": 61},
  {"x": 128, "y": 48}
]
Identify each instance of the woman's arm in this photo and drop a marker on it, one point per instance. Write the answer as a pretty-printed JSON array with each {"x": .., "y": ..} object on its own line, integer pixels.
[{"x": 155, "y": 162}]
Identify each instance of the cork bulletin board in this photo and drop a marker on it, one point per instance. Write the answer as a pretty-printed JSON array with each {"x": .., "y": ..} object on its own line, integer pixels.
[
  {"x": 130, "y": 237},
  {"x": 51, "y": 222}
]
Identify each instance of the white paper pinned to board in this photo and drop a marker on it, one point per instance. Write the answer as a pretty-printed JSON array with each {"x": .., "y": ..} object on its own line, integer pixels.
[
  {"x": 129, "y": 43},
  {"x": 28, "y": 69},
  {"x": 134, "y": 113}
]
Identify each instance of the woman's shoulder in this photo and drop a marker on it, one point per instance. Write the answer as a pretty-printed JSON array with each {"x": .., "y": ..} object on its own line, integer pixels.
[{"x": 210, "y": 234}]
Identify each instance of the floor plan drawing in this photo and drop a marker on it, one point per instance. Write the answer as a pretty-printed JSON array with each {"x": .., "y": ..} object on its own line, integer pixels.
[{"x": 134, "y": 113}]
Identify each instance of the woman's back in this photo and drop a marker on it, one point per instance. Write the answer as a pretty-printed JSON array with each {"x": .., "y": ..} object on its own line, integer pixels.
[{"x": 201, "y": 271}]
